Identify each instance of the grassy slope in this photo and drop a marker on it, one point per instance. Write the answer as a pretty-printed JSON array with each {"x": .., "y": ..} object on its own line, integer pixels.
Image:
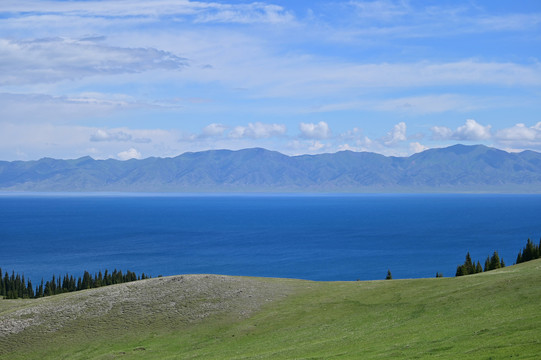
[{"x": 494, "y": 315}]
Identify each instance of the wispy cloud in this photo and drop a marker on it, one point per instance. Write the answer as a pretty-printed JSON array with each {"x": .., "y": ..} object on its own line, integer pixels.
[
  {"x": 118, "y": 135},
  {"x": 197, "y": 10},
  {"x": 57, "y": 59},
  {"x": 232, "y": 74},
  {"x": 405, "y": 19}
]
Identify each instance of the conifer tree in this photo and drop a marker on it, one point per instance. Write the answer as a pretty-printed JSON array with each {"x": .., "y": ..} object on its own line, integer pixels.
[
  {"x": 468, "y": 264},
  {"x": 41, "y": 292},
  {"x": 2, "y": 285},
  {"x": 494, "y": 261},
  {"x": 389, "y": 275},
  {"x": 519, "y": 257},
  {"x": 30, "y": 289},
  {"x": 47, "y": 291}
]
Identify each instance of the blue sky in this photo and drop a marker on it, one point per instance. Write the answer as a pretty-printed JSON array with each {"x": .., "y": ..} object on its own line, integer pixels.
[{"x": 139, "y": 78}]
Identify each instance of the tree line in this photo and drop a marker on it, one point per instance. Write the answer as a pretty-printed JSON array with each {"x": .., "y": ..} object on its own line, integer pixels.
[
  {"x": 16, "y": 286},
  {"x": 530, "y": 252},
  {"x": 469, "y": 267}
]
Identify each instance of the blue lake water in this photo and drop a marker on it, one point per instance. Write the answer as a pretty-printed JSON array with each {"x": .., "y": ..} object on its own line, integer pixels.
[{"x": 317, "y": 237}]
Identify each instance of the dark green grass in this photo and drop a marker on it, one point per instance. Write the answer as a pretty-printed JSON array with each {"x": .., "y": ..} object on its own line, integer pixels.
[{"x": 493, "y": 315}]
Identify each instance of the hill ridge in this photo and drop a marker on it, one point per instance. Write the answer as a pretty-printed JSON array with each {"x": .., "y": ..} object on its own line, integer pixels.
[{"x": 457, "y": 168}]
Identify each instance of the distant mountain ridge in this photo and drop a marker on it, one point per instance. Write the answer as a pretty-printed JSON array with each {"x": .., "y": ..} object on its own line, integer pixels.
[{"x": 457, "y": 168}]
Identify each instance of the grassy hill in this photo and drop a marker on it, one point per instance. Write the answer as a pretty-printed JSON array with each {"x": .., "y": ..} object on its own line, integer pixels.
[{"x": 493, "y": 315}]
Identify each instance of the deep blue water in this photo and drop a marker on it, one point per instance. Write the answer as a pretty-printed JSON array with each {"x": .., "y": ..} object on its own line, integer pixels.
[{"x": 333, "y": 237}]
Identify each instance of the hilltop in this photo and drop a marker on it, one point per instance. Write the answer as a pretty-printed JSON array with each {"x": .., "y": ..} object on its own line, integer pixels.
[
  {"x": 488, "y": 315},
  {"x": 457, "y": 168}
]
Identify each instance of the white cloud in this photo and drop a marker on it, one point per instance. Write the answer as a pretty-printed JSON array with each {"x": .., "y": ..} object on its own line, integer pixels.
[
  {"x": 258, "y": 130},
  {"x": 213, "y": 130},
  {"x": 520, "y": 136},
  {"x": 102, "y": 135},
  {"x": 397, "y": 134},
  {"x": 129, "y": 154},
  {"x": 320, "y": 130},
  {"x": 118, "y": 135},
  {"x": 308, "y": 146},
  {"x": 354, "y": 133},
  {"x": 416, "y": 147},
  {"x": 470, "y": 131},
  {"x": 441, "y": 133},
  {"x": 34, "y": 140},
  {"x": 316, "y": 146},
  {"x": 519, "y": 132}
]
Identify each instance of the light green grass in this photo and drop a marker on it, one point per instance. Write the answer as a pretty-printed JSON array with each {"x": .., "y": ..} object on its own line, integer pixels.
[{"x": 494, "y": 315}]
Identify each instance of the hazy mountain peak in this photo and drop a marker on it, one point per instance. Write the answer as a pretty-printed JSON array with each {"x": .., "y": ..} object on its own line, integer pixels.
[{"x": 456, "y": 168}]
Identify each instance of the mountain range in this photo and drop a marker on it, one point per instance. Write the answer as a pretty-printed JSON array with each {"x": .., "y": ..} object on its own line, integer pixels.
[{"x": 457, "y": 168}]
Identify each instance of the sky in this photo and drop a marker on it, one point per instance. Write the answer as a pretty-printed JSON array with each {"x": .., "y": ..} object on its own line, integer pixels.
[{"x": 129, "y": 79}]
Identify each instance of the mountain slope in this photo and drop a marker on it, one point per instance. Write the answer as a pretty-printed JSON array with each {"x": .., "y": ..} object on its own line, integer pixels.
[{"x": 456, "y": 168}]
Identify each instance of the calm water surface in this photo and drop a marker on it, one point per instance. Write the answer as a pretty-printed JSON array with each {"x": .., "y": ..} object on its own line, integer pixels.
[{"x": 334, "y": 237}]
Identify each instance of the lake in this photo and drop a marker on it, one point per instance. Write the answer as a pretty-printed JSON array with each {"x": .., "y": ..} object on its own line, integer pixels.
[{"x": 316, "y": 237}]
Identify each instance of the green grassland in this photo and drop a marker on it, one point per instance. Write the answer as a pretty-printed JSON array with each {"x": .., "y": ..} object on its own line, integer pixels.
[{"x": 492, "y": 315}]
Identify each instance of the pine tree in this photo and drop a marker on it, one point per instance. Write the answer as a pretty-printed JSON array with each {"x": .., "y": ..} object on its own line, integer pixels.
[
  {"x": 495, "y": 261},
  {"x": 389, "y": 275},
  {"x": 468, "y": 264},
  {"x": 99, "y": 281},
  {"x": 24, "y": 291},
  {"x": 48, "y": 291},
  {"x": 87, "y": 280},
  {"x": 478, "y": 267},
  {"x": 41, "y": 292},
  {"x": 2, "y": 285},
  {"x": 52, "y": 286},
  {"x": 30, "y": 289},
  {"x": 72, "y": 284},
  {"x": 529, "y": 251}
]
